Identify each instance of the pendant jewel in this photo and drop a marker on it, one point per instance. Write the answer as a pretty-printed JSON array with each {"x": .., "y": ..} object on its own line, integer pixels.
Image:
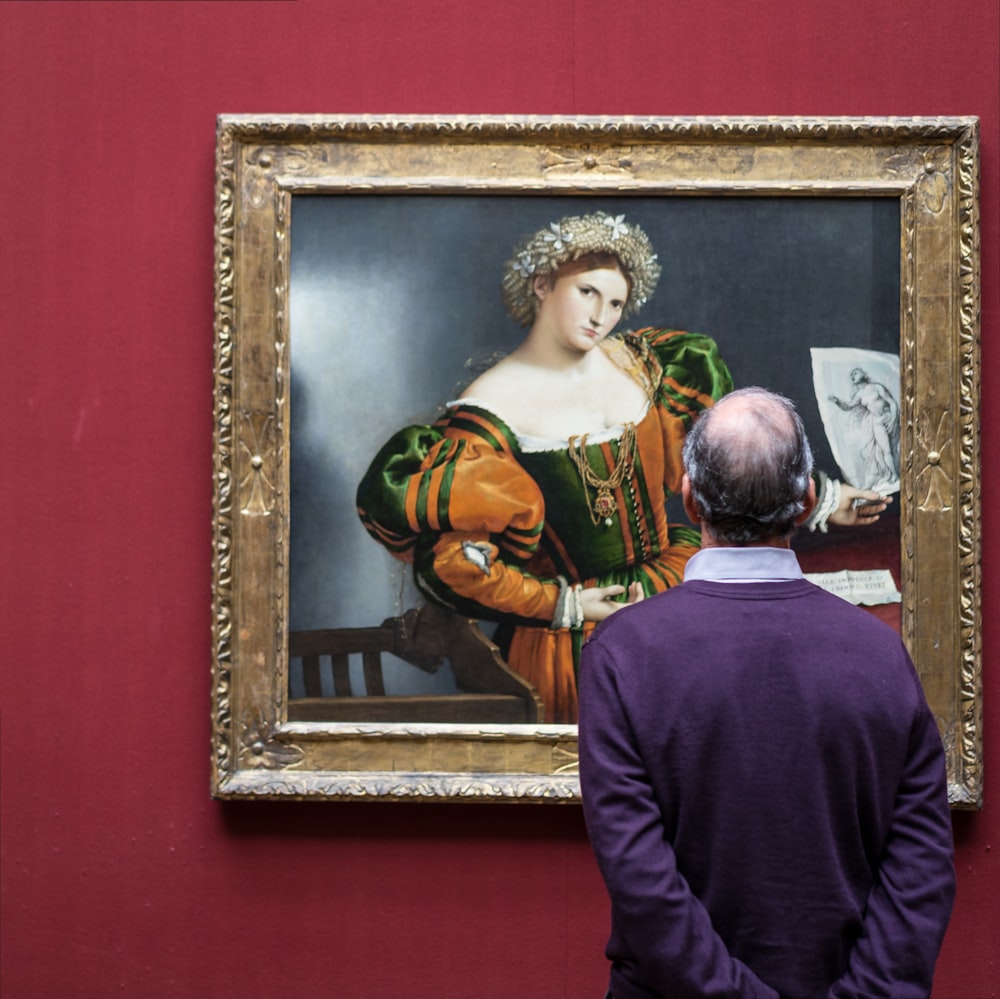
[{"x": 603, "y": 506}]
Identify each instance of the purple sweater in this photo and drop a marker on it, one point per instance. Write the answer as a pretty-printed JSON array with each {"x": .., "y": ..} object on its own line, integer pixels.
[{"x": 764, "y": 787}]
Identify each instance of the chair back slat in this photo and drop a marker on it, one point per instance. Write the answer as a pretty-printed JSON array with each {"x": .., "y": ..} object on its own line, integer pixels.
[
  {"x": 341, "y": 663},
  {"x": 374, "y": 682},
  {"x": 310, "y": 675}
]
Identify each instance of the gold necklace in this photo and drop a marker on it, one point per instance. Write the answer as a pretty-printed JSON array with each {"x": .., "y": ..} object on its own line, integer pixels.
[{"x": 603, "y": 506}]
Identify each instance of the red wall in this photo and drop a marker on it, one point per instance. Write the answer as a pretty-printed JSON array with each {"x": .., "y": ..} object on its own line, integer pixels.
[{"x": 120, "y": 875}]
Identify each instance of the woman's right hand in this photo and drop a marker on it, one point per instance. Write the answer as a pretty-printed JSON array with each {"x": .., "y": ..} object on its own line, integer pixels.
[
  {"x": 858, "y": 506},
  {"x": 597, "y": 601}
]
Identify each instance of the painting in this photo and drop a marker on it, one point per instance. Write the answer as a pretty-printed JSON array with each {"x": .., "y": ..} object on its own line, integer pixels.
[{"x": 358, "y": 293}]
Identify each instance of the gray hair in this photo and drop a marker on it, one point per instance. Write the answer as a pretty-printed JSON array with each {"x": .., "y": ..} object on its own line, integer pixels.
[{"x": 749, "y": 472}]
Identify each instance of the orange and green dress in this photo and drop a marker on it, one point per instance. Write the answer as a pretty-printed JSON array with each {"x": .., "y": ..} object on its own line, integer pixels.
[{"x": 497, "y": 525}]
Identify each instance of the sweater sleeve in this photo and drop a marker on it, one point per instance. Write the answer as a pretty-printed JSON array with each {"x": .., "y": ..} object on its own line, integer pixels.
[
  {"x": 675, "y": 949},
  {"x": 910, "y": 902}
]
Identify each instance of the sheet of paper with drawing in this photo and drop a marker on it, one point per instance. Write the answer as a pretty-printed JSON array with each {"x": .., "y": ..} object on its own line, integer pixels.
[{"x": 858, "y": 393}]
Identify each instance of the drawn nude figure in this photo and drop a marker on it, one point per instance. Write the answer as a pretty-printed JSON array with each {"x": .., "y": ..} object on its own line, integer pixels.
[{"x": 876, "y": 414}]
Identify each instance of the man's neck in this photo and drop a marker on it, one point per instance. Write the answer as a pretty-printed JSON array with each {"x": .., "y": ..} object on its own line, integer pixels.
[{"x": 709, "y": 540}]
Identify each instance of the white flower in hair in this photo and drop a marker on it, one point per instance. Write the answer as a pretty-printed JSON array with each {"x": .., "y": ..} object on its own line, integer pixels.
[
  {"x": 524, "y": 265},
  {"x": 557, "y": 237},
  {"x": 617, "y": 226}
]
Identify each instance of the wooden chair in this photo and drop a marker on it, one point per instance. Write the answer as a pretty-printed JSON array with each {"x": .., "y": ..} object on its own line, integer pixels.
[{"x": 426, "y": 638}]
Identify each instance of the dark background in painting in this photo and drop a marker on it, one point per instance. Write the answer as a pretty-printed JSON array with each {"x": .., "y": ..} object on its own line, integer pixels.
[{"x": 395, "y": 303}]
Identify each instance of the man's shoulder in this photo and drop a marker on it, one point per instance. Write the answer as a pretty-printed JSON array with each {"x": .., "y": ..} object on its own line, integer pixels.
[
  {"x": 830, "y": 607},
  {"x": 694, "y": 604},
  {"x": 686, "y": 602}
]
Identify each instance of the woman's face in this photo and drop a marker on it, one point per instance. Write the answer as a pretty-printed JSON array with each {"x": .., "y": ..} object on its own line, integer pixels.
[{"x": 580, "y": 310}]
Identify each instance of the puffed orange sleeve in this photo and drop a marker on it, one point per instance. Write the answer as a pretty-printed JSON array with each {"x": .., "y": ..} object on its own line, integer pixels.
[
  {"x": 688, "y": 375},
  {"x": 454, "y": 500}
]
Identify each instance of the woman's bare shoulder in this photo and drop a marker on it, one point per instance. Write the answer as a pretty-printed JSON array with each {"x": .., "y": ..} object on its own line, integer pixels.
[
  {"x": 497, "y": 384},
  {"x": 514, "y": 391}
]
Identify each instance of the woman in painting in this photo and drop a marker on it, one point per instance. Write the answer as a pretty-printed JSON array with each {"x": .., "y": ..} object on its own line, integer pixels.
[{"x": 538, "y": 498}]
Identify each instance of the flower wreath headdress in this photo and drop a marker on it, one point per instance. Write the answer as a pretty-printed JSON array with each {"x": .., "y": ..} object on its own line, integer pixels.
[{"x": 571, "y": 238}]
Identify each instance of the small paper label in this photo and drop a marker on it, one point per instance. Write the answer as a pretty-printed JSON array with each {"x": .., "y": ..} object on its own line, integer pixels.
[{"x": 859, "y": 586}]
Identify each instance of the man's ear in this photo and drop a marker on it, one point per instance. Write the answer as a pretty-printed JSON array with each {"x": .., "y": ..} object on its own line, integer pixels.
[
  {"x": 690, "y": 507},
  {"x": 810, "y": 503},
  {"x": 542, "y": 285}
]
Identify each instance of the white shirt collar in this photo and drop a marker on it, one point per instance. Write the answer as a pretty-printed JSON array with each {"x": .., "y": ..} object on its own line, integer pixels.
[{"x": 743, "y": 565}]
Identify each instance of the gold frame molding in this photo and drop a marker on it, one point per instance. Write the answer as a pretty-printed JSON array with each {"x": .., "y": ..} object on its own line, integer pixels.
[{"x": 931, "y": 165}]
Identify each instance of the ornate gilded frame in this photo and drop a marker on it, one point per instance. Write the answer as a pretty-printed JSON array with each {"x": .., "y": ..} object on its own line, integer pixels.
[{"x": 929, "y": 164}]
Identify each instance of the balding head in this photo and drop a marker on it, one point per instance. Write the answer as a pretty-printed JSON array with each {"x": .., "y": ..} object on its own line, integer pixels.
[{"x": 749, "y": 465}]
